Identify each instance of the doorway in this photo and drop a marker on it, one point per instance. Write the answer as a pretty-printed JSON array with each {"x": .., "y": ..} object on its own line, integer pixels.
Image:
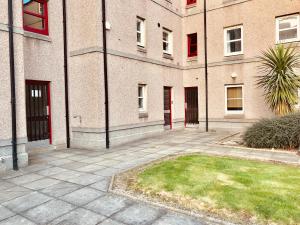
[
  {"x": 168, "y": 107},
  {"x": 191, "y": 105},
  {"x": 38, "y": 111}
]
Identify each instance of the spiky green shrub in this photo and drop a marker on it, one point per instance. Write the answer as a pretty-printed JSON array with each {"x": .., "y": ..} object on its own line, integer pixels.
[
  {"x": 279, "y": 133},
  {"x": 278, "y": 78}
]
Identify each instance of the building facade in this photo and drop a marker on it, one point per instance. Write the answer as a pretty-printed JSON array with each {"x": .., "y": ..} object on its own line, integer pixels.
[{"x": 155, "y": 68}]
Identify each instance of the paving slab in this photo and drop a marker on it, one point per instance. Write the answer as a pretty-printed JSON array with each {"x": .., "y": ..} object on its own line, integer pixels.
[
  {"x": 17, "y": 220},
  {"x": 25, "y": 179},
  {"x": 138, "y": 214},
  {"x": 41, "y": 184},
  {"x": 79, "y": 217},
  {"x": 102, "y": 185},
  {"x": 52, "y": 171},
  {"x": 26, "y": 202},
  {"x": 111, "y": 222},
  {"x": 5, "y": 213},
  {"x": 49, "y": 211},
  {"x": 61, "y": 189},
  {"x": 82, "y": 196},
  {"x": 108, "y": 205},
  {"x": 12, "y": 193},
  {"x": 85, "y": 179}
]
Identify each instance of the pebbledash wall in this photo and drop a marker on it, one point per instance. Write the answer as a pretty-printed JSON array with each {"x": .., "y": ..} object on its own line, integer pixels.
[{"x": 40, "y": 57}]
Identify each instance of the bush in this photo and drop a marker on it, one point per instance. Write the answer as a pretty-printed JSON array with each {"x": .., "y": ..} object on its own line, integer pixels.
[{"x": 282, "y": 132}]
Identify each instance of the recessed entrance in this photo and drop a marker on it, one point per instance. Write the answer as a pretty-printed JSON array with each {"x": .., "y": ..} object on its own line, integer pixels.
[
  {"x": 168, "y": 107},
  {"x": 38, "y": 110},
  {"x": 191, "y": 105}
]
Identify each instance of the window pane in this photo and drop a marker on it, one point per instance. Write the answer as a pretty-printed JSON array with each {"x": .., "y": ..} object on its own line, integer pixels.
[
  {"x": 141, "y": 91},
  {"x": 234, "y": 34},
  {"x": 288, "y": 34},
  {"x": 235, "y": 46},
  {"x": 138, "y": 25},
  {"x": 165, "y": 46},
  {"x": 34, "y": 22},
  {"x": 34, "y": 7},
  {"x": 234, "y": 92},
  {"x": 235, "y": 104},
  {"x": 288, "y": 22},
  {"x": 141, "y": 103},
  {"x": 139, "y": 37},
  {"x": 165, "y": 36}
]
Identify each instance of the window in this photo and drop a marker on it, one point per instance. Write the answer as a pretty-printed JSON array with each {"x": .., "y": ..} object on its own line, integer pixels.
[
  {"x": 190, "y": 2},
  {"x": 298, "y": 102},
  {"x": 288, "y": 29},
  {"x": 192, "y": 45},
  {"x": 167, "y": 41},
  {"x": 233, "y": 41},
  {"x": 35, "y": 16},
  {"x": 140, "y": 32},
  {"x": 234, "y": 99},
  {"x": 142, "y": 97}
]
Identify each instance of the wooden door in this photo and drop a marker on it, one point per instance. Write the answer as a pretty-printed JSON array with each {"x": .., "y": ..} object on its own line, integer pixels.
[
  {"x": 38, "y": 110},
  {"x": 191, "y": 105},
  {"x": 168, "y": 107}
]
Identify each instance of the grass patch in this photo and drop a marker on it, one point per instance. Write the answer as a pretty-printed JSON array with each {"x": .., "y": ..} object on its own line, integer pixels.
[{"x": 237, "y": 189}]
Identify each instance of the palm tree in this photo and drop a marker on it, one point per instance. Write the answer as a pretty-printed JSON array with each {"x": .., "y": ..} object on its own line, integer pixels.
[{"x": 279, "y": 79}]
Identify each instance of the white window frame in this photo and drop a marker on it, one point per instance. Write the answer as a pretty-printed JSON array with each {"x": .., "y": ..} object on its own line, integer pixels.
[
  {"x": 230, "y": 112},
  {"x": 144, "y": 97},
  {"x": 297, "y": 106},
  {"x": 142, "y": 32},
  {"x": 278, "y": 19},
  {"x": 226, "y": 50},
  {"x": 169, "y": 41}
]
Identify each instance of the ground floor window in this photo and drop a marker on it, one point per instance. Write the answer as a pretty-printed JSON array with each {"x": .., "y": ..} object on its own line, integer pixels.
[
  {"x": 234, "y": 99},
  {"x": 142, "y": 97}
]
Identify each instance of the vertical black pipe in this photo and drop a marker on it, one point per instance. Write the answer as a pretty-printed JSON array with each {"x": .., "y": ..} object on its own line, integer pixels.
[
  {"x": 105, "y": 73},
  {"x": 66, "y": 72},
  {"x": 13, "y": 86},
  {"x": 206, "y": 67}
]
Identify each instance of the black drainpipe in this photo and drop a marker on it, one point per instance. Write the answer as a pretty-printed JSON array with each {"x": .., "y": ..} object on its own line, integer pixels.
[
  {"x": 105, "y": 74},
  {"x": 66, "y": 72},
  {"x": 13, "y": 86},
  {"x": 206, "y": 67}
]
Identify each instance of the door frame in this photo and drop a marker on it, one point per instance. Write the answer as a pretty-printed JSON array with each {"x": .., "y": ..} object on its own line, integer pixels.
[
  {"x": 171, "y": 111},
  {"x": 185, "y": 102},
  {"x": 49, "y": 103}
]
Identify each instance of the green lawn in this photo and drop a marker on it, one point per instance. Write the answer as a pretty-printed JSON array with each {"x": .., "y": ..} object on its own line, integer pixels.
[{"x": 229, "y": 187}]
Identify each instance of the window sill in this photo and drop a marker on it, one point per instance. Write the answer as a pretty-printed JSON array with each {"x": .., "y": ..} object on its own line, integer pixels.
[
  {"x": 236, "y": 115},
  {"x": 192, "y": 59},
  {"x": 234, "y": 54},
  {"x": 287, "y": 41},
  {"x": 143, "y": 115},
  {"x": 191, "y": 6},
  {"x": 37, "y": 36},
  {"x": 168, "y": 56},
  {"x": 141, "y": 49}
]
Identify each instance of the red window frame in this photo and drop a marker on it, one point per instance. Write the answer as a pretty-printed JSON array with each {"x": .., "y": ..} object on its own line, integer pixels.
[
  {"x": 44, "y": 17},
  {"x": 192, "y": 43},
  {"x": 190, "y": 2}
]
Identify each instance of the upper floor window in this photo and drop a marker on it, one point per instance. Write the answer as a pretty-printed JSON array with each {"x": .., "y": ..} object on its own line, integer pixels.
[
  {"x": 140, "y": 32},
  {"x": 35, "y": 16},
  {"x": 288, "y": 28},
  {"x": 192, "y": 45},
  {"x": 234, "y": 99},
  {"x": 167, "y": 41},
  {"x": 191, "y": 2},
  {"x": 233, "y": 40}
]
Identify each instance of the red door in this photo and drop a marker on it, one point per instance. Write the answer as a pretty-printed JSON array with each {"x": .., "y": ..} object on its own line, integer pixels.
[
  {"x": 38, "y": 110},
  {"x": 168, "y": 107}
]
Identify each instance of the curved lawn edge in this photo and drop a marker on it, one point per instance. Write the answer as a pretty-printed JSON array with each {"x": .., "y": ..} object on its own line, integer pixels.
[{"x": 124, "y": 184}]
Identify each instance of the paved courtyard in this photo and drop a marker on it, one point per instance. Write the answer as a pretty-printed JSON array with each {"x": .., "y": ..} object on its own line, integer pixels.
[{"x": 70, "y": 187}]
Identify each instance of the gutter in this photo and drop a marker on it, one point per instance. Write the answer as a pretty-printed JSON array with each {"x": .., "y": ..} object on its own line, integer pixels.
[
  {"x": 66, "y": 72},
  {"x": 106, "y": 102},
  {"x": 12, "y": 86}
]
